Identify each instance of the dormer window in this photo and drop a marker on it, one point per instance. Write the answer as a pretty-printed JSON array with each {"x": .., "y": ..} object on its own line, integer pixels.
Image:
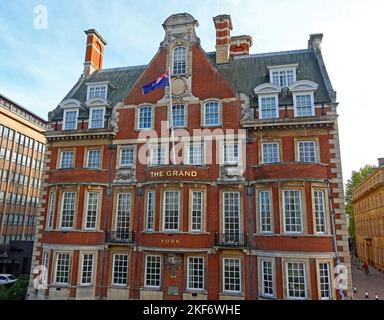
[
  {"x": 282, "y": 76},
  {"x": 179, "y": 60},
  {"x": 96, "y": 118},
  {"x": 97, "y": 91},
  {"x": 70, "y": 119}
]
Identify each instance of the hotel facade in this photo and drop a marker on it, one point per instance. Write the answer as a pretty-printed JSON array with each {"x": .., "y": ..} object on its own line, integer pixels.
[{"x": 225, "y": 185}]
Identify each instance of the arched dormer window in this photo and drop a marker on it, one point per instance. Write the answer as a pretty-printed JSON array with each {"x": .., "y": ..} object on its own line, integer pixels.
[{"x": 179, "y": 60}]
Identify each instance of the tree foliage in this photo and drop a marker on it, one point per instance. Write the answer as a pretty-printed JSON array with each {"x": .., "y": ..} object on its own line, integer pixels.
[{"x": 356, "y": 178}]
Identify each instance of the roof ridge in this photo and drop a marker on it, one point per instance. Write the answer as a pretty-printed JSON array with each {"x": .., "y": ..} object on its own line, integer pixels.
[
  {"x": 123, "y": 68},
  {"x": 277, "y": 53}
]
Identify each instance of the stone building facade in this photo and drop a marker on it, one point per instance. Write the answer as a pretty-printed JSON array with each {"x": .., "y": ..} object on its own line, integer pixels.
[
  {"x": 134, "y": 208},
  {"x": 368, "y": 208}
]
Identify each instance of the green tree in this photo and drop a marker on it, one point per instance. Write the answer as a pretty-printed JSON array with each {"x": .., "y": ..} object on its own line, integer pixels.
[{"x": 356, "y": 178}]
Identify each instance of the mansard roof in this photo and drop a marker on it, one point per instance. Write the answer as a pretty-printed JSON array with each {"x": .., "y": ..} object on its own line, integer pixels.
[{"x": 245, "y": 72}]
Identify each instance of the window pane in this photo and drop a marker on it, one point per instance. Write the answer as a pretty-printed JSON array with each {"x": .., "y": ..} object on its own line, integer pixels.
[
  {"x": 231, "y": 153},
  {"x": 152, "y": 271},
  {"x": 195, "y": 154},
  {"x": 68, "y": 209},
  {"x": 232, "y": 213},
  {"x": 197, "y": 211},
  {"x": 97, "y": 118},
  {"x": 232, "y": 275},
  {"x": 62, "y": 268},
  {"x": 66, "y": 159},
  {"x": 92, "y": 210},
  {"x": 270, "y": 152},
  {"x": 127, "y": 156},
  {"x": 268, "y": 108},
  {"x": 145, "y": 117},
  {"x": 150, "y": 210},
  {"x": 179, "y": 60},
  {"x": 120, "y": 269},
  {"x": 296, "y": 280},
  {"x": 211, "y": 113},
  {"x": 178, "y": 116},
  {"x": 267, "y": 278},
  {"x": 159, "y": 155},
  {"x": 195, "y": 273},
  {"x": 97, "y": 92},
  {"x": 171, "y": 210},
  {"x": 87, "y": 270},
  {"x": 94, "y": 159},
  {"x": 319, "y": 202},
  {"x": 70, "y": 120},
  {"x": 292, "y": 211},
  {"x": 265, "y": 211},
  {"x": 123, "y": 216},
  {"x": 307, "y": 151},
  {"x": 325, "y": 281},
  {"x": 304, "y": 105}
]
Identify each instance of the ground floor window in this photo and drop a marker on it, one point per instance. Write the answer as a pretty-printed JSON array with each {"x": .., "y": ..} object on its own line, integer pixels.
[
  {"x": 120, "y": 269},
  {"x": 267, "y": 278},
  {"x": 296, "y": 282},
  {"x": 152, "y": 271},
  {"x": 325, "y": 281},
  {"x": 232, "y": 275},
  {"x": 195, "y": 273},
  {"x": 62, "y": 268}
]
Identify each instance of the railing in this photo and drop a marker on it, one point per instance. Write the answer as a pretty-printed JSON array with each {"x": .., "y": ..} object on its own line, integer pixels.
[
  {"x": 231, "y": 239},
  {"x": 120, "y": 237}
]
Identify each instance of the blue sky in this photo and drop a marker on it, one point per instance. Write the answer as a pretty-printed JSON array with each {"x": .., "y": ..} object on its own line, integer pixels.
[{"x": 39, "y": 66}]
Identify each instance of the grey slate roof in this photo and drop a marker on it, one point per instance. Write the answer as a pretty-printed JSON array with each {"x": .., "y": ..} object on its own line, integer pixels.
[{"x": 245, "y": 73}]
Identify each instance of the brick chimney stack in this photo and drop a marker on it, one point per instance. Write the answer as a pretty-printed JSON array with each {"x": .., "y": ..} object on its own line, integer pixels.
[
  {"x": 315, "y": 41},
  {"x": 240, "y": 45},
  {"x": 94, "y": 52},
  {"x": 223, "y": 25},
  {"x": 381, "y": 162}
]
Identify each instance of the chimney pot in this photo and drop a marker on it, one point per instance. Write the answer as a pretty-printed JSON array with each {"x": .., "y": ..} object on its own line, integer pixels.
[
  {"x": 381, "y": 162},
  {"x": 94, "y": 52}
]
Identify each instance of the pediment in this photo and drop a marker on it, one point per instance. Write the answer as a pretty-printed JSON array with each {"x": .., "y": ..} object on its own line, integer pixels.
[
  {"x": 266, "y": 88},
  {"x": 303, "y": 85}
]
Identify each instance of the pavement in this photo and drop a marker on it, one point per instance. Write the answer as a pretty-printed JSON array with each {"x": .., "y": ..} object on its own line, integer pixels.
[{"x": 373, "y": 282}]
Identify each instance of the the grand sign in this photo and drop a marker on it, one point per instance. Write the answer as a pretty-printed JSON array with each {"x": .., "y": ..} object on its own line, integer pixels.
[{"x": 174, "y": 173}]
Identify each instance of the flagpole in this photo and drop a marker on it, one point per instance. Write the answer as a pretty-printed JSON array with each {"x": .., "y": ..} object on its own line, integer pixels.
[{"x": 171, "y": 117}]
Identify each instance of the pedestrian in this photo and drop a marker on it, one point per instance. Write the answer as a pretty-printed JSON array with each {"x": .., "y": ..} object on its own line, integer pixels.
[
  {"x": 376, "y": 297},
  {"x": 366, "y": 267},
  {"x": 354, "y": 289},
  {"x": 366, "y": 294}
]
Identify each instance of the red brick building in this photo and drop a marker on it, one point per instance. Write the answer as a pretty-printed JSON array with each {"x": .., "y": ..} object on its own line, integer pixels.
[{"x": 243, "y": 213}]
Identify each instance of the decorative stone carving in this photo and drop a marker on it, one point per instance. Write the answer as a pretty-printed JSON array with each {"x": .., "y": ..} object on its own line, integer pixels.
[
  {"x": 173, "y": 262},
  {"x": 179, "y": 86},
  {"x": 231, "y": 172},
  {"x": 246, "y": 112},
  {"x": 112, "y": 121},
  {"x": 125, "y": 174}
]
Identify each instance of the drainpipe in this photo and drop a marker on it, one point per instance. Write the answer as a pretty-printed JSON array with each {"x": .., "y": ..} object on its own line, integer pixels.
[
  {"x": 112, "y": 148},
  {"x": 332, "y": 214}
]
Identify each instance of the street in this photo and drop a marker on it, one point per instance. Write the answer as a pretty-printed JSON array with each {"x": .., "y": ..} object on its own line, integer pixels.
[{"x": 373, "y": 282}]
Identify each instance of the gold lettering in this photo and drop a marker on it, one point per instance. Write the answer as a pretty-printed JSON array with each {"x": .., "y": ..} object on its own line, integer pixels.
[
  {"x": 174, "y": 173},
  {"x": 187, "y": 173},
  {"x": 177, "y": 241},
  {"x": 193, "y": 173},
  {"x": 161, "y": 173}
]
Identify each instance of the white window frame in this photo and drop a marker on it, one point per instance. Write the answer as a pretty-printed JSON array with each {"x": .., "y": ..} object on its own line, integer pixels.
[
  {"x": 301, "y": 211},
  {"x": 330, "y": 282},
  {"x": 87, "y": 210},
  {"x": 184, "y": 116},
  {"x": 74, "y": 210},
  {"x": 138, "y": 117},
  {"x": 304, "y": 93},
  {"x": 314, "y": 142},
  {"x": 240, "y": 275},
  {"x": 224, "y": 149},
  {"x": 305, "y": 280},
  {"x": 183, "y": 60},
  {"x": 145, "y": 271},
  {"x": 151, "y": 154},
  {"x": 133, "y": 156},
  {"x": 82, "y": 283},
  {"x": 188, "y": 147},
  {"x": 263, "y": 161},
  {"x": 179, "y": 210},
  {"x": 51, "y": 210},
  {"x": 270, "y": 200},
  {"x": 69, "y": 268},
  {"x": 219, "y": 112},
  {"x": 91, "y": 122},
  {"x": 272, "y": 261},
  {"x": 113, "y": 270},
  {"x": 65, "y": 118},
  {"x": 61, "y": 159},
  {"x": 128, "y": 214},
  {"x": 94, "y": 86},
  {"x": 315, "y": 212},
  {"x": 260, "y": 97},
  {"x": 201, "y": 229},
  {"x": 224, "y": 230},
  {"x": 188, "y": 274},
  {"x": 280, "y": 69},
  {"x": 147, "y": 209},
  {"x": 100, "y": 159}
]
